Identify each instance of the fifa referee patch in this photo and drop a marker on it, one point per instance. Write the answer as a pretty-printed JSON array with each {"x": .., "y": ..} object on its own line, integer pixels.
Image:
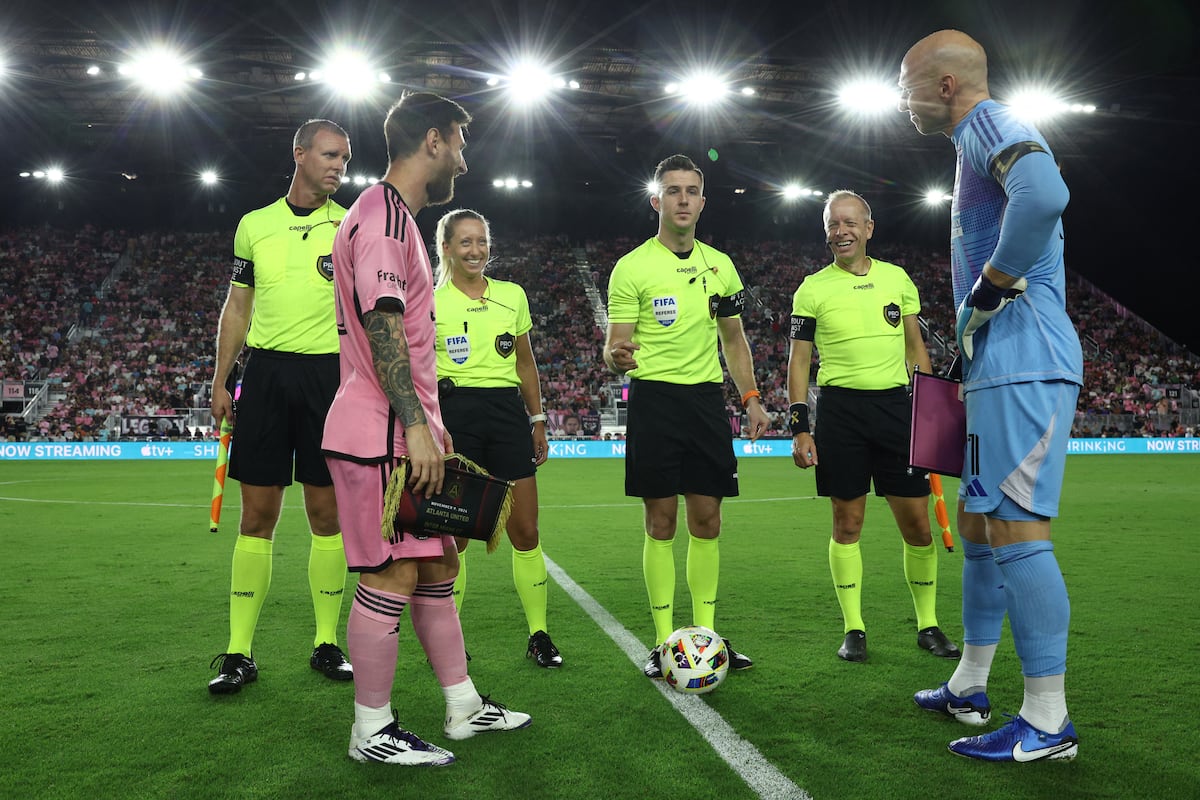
[{"x": 666, "y": 310}]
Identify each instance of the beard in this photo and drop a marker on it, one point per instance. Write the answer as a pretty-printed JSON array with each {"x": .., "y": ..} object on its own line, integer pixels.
[{"x": 441, "y": 189}]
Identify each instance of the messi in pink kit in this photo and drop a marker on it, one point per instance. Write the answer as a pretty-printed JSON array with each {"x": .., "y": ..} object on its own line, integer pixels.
[{"x": 387, "y": 407}]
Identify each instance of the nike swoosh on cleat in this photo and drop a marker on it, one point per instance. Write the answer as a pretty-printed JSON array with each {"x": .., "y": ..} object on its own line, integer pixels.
[{"x": 1021, "y": 754}]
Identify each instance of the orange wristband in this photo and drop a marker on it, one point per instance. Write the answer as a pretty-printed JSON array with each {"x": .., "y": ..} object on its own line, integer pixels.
[{"x": 752, "y": 393}]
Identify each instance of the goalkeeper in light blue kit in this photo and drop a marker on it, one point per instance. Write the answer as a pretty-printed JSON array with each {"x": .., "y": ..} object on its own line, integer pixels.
[{"x": 1022, "y": 368}]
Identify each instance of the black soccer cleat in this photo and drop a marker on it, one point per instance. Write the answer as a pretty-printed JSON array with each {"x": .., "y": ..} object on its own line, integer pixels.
[
  {"x": 543, "y": 651},
  {"x": 330, "y": 661},
  {"x": 854, "y": 646},
  {"x": 737, "y": 661},
  {"x": 936, "y": 642},
  {"x": 234, "y": 670},
  {"x": 653, "y": 668}
]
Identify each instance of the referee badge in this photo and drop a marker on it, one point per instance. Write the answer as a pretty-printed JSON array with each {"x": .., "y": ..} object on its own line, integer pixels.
[
  {"x": 891, "y": 314},
  {"x": 666, "y": 310},
  {"x": 506, "y": 344},
  {"x": 714, "y": 303},
  {"x": 325, "y": 266},
  {"x": 458, "y": 348}
]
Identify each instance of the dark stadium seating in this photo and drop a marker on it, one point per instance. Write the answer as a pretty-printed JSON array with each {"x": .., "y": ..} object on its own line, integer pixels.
[{"x": 120, "y": 326}]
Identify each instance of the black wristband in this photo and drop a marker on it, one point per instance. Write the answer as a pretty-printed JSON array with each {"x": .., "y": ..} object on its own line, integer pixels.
[{"x": 798, "y": 418}]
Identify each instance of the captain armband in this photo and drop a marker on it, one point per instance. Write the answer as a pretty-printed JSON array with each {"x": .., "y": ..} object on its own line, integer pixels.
[
  {"x": 803, "y": 328},
  {"x": 798, "y": 418}
]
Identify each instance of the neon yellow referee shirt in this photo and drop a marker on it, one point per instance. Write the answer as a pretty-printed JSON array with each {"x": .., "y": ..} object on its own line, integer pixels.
[
  {"x": 476, "y": 337},
  {"x": 292, "y": 276},
  {"x": 859, "y": 332},
  {"x": 674, "y": 303}
]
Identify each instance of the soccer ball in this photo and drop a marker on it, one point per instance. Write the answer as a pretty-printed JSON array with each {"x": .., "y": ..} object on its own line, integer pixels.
[{"x": 694, "y": 660}]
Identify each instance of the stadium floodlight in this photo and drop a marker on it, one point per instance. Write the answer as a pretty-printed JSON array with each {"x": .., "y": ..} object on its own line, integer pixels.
[
  {"x": 794, "y": 191},
  {"x": 360, "y": 180},
  {"x": 512, "y": 183},
  {"x": 935, "y": 197},
  {"x": 25, "y": 174},
  {"x": 300, "y": 76},
  {"x": 493, "y": 81},
  {"x": 38, "y": 173},
  {"x": 55, "y": 174},
  {"x": 652, "y": 187},
  {"x": 349, "y": 74},
  {"x": 749, "y": 91},
  {"x": 1036, "y": 105},
  {"x": 530, "y": 82},
  {"x": 700, "y": 88},
  {"x": 867, "y": 97},
  {"x": 160, "y": 71},
  {"x": 372, "y": 181},
  {"x": 573, "y": 84},
  {"x": 93, "y": 70},
  {"x": 209, "y": 177}
]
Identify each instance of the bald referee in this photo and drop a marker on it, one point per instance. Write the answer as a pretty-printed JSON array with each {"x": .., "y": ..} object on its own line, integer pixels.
[
  {"x": 280, "y": 304},
  {"x": 862, "y": 315},
  {"x": 669, "y": 301}
]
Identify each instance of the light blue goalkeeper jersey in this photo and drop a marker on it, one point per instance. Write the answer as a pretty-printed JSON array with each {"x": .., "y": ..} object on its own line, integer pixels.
[{"x": 1007, "y": 211}]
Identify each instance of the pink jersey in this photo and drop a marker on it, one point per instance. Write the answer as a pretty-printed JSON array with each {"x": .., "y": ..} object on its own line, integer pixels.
[{"x": 378, "y": 253}]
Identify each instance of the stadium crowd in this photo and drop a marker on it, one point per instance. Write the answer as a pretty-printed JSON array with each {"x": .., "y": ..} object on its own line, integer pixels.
[{"x": 120, "y": 328}]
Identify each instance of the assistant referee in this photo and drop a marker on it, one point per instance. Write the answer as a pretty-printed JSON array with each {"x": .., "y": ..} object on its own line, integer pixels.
[
  {"x": 491, "y": 401},
  {"x": 281, "y": 306},
  {"x": 669, "y": 300},
  {"x": 861, "y": 313}
]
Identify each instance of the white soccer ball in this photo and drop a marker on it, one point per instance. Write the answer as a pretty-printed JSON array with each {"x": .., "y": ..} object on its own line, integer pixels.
[{"x": 694, "y": 660}]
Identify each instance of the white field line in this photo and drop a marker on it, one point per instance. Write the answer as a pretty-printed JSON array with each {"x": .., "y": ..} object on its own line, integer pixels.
[{"x": 743, "y": 758}]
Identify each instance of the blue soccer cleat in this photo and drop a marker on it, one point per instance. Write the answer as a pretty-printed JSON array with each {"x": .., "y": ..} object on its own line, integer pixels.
[
  {"x": 974, "y": 709},
  {"x": 1019, "y": 741}
]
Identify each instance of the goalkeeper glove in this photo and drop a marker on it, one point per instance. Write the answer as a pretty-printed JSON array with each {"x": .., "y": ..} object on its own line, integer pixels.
[{"x": 984, "y": 302}]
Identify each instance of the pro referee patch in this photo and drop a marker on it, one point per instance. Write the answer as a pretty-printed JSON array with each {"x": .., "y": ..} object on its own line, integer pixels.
[
  {"x": 891, "y": 313},
  {"x": 325, "y": 266},
  {"x": 506, "y": 344}
]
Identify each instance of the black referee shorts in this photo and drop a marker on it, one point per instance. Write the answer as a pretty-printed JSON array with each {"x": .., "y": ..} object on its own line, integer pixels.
[
  {"x": 491, "y": 427},
  {"x": 678, "y": 441},
  {"x": 281, "y": 418},
  {"x": 862, "y": 436}
]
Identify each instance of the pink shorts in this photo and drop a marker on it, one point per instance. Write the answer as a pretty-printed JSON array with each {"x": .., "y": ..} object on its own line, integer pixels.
[{"x": 359, "y": 490}]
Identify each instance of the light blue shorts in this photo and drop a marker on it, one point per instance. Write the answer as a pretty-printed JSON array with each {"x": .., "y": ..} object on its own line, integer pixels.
[{"x": 1017, "y": 448}]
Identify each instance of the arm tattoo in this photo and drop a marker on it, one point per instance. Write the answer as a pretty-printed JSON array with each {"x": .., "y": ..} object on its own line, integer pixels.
[{"x": 393, "y": 367}]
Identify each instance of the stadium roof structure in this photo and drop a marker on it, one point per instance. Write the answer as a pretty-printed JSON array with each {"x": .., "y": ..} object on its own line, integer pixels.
[{"x": 64, "y": 100}]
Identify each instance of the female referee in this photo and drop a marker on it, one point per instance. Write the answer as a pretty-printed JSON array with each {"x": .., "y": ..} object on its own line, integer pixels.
[{"x": 492, "y": 400}]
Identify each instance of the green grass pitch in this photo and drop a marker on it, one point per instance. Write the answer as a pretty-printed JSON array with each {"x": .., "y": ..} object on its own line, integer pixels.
[{"x": 113, "y": 595}]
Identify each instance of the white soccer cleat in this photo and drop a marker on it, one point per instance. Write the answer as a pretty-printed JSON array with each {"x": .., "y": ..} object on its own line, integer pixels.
[
  {"x": 394, "y": 745},
  {"x": 491, "y": 716}
]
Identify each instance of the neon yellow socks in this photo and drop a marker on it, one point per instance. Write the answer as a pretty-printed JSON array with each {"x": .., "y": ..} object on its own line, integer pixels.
[
  {"x": 658, "y": 568},
  {"x": 529, "y": 576},
  {"x": 920, "y": 570},
  {"x": 459, "y": 592},
  {"x": 327, "y": 583},
  {"x": 703, "y": 572},
  {"x": 846, "y": 566},
  {"x": 248, "y": 585}
]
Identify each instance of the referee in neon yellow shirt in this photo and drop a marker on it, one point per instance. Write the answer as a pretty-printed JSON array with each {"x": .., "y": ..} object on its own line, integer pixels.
[
  {"x": 280, "y": 305},
  {"x": 491, "y": 400},
  {"x": 669, "y": 301},
  {"x": 861, "y": 313}
]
